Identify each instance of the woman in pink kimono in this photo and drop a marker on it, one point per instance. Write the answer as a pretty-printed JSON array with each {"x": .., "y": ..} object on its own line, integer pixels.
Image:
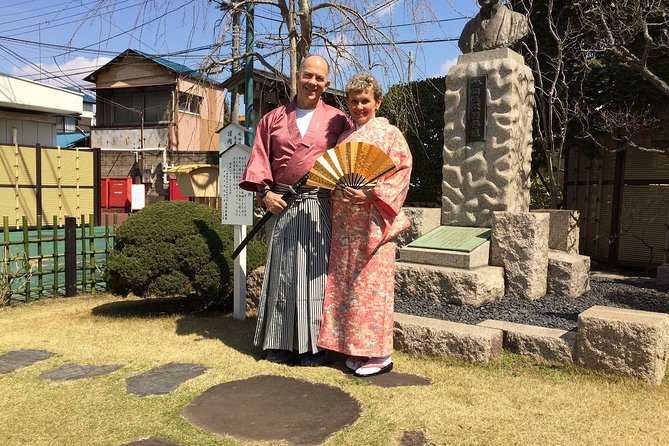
[{"x": 359, "y": 295}]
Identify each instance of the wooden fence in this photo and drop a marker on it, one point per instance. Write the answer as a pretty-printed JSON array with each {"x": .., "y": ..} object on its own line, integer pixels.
[
  {"x": 47, "y": 182},
  {"x": 56, "y": 260}
]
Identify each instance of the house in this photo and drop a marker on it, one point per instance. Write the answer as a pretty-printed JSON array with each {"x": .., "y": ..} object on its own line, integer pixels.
[
  {"x": 151, "y": 112},
  {"x": 75, "y": 131},
  {"x": 29, "y": 110}
]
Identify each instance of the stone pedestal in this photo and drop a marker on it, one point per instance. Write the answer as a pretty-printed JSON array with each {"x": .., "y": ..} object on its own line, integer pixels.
[
  {"x": 491, "y": 171},
  {"x": 520, "y": 244},
  {"x": 442, "y": 257},
  {"x": 449, "y": 285}
]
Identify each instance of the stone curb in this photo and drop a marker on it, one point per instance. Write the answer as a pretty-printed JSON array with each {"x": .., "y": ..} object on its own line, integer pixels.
[
  {"x": 421, "y": 335},
  {"x": 619, "y": 340},
  {"x": 616, "y": 340},
  {"x": 545, "y": 344}
]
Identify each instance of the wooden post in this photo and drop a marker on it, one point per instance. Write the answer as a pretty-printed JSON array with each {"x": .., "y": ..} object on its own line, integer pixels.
[
  {"x": 239, "y": 303},
  {"x": 70, "y": 256}
]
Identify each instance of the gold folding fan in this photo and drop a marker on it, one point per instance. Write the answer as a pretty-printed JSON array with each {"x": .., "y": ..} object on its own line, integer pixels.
[{"x": 351, "y": 164}]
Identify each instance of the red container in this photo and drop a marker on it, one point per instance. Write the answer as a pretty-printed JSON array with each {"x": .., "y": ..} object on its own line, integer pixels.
[
  {"x": 104, "y": 193},
  {"x": 175, "y": 193},
  {"x": 120, "y": 192}
]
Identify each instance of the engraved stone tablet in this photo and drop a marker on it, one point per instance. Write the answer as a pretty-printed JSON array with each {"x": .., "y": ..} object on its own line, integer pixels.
[
  {"x": 476, "y": 108},
  {"x": 453, "y": 238}
]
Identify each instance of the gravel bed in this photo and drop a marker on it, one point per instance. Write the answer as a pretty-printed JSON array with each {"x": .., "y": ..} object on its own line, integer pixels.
[{"x": 549, "y": 311}]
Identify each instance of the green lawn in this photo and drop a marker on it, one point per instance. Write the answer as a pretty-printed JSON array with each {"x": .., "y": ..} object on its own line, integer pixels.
[{"x": 515, "y": 402}]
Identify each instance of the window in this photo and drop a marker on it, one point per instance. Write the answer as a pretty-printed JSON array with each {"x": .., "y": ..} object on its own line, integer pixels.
[
  {"x": 66, "y": 124},
  {"x": 128, "y": 106},
  {"x": 189, "y": 103}
]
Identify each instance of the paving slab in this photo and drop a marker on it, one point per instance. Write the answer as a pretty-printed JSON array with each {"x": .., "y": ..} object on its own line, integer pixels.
[
  {"x": 273, "y": 408},
  {"x": 151, "y": 441},
  {"x": 163, "y": 379},
  {"x": 394, "y": 379},
  {"x": 18, "y": 359},
  {"x": 71, "y": 372}
]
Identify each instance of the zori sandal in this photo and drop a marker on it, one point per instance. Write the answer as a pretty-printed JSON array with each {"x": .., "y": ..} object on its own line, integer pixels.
[
  {"x": 353, "y": 363},
  {"x": 375, "y": 366}
]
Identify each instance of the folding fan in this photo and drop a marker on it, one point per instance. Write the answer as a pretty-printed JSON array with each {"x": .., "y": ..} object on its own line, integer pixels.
[{"x": 351, "y": 164}]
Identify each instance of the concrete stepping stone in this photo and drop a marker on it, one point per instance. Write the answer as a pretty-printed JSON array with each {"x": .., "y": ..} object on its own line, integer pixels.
[
  {"x": 163, "y": 379},
  {"x": 394, "y": 379},
  {"x": 273, "y": 408},
  {"x": 151, "y": 441},
  {"x": 71, "y": 372},
  {"x": 414, "y": 438},
  {"x": 17, "y": 359}
]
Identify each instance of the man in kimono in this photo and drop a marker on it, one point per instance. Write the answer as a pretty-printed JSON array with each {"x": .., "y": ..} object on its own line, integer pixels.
[{"x": 288, "y": 141}]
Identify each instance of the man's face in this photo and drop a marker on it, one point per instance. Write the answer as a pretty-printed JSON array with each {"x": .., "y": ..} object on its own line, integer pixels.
[{"x": 312, "y": 81}]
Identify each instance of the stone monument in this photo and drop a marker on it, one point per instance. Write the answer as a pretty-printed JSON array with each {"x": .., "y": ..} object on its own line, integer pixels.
[
  {"x": 487, "y": 137},
  {"x": 489, "y": 243}
]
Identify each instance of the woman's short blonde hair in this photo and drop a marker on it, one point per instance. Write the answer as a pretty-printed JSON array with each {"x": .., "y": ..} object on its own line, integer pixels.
[{"x": 361, "y": 82}]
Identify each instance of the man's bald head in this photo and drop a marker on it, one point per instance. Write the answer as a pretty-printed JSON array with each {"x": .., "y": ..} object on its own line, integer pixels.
[{"x": 314, "y": 58}]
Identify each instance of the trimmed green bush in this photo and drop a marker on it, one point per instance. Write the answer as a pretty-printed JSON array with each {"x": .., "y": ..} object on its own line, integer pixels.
[{"x": 176, "y": 248}]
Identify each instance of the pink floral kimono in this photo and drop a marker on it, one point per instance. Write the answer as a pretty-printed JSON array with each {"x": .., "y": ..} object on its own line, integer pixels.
[{"x": 360, "y": 290}]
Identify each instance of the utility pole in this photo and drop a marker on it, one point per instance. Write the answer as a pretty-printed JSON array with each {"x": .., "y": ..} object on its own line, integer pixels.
[
  {"x": 410, "y": 74},
  {"x": 248, "y": 97},
  {"x": 234, "y": 95}
]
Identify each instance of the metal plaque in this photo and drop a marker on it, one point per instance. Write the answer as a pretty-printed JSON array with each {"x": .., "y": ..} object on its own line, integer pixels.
[
  {"x": 476, "y": 108},
  {"x": 453, "y": 238}
]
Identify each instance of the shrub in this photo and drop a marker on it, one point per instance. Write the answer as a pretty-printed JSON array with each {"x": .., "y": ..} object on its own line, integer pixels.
[{"x": 176, "y": 248}]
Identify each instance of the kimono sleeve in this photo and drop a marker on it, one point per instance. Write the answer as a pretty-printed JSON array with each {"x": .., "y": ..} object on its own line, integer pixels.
[
  {"x": 259, "y": 170},
  {"x": 391, "y": 191}
]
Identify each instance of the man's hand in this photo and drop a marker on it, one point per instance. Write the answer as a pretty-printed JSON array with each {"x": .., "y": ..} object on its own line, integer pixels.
[{"x": 273, "y": 203}]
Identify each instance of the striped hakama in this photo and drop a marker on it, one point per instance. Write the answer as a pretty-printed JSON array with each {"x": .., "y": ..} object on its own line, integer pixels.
[{"x": 291, "y": 301}]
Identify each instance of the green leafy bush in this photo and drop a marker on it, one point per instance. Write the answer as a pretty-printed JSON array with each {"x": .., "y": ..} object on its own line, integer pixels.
[{"x": 176, "y": 248}]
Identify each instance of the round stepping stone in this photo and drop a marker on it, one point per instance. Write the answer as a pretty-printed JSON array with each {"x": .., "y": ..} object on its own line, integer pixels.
[
  {"x": 414, "y": 438},
  {"x": 394, "y": 379},
  {"x": 17, "y": 359},
  {"x": 163, "y": 379},
  {"x": 272, "y": 408},
  {"x": 151, "y": 441},
  {"x": 71, "y": 372}
]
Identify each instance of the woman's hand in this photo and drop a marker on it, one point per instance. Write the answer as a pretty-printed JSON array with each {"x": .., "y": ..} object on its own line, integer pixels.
[{"x": 356, "y": 196}]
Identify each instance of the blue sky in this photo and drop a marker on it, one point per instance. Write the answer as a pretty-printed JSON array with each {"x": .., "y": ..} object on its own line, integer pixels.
[{"x": 60, "y": 41}]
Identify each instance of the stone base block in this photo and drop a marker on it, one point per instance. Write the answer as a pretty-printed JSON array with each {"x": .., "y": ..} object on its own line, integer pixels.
[
  {"x": 520, "y": 244},
  {"x": 442, "y": 257},
  {"x": 662, "y": 278},
  {"x": 618, "y": 340},
  {"x": 423, "y": 220},
  {"x": 563, "y": 230},
  {"x": 425, "y": 336},
  {"x": 254, "y": 281},
  {"x": 568, "y": 274},
  {"x": 449, "y": 285},
  {"x": 547, "y": 344}
]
